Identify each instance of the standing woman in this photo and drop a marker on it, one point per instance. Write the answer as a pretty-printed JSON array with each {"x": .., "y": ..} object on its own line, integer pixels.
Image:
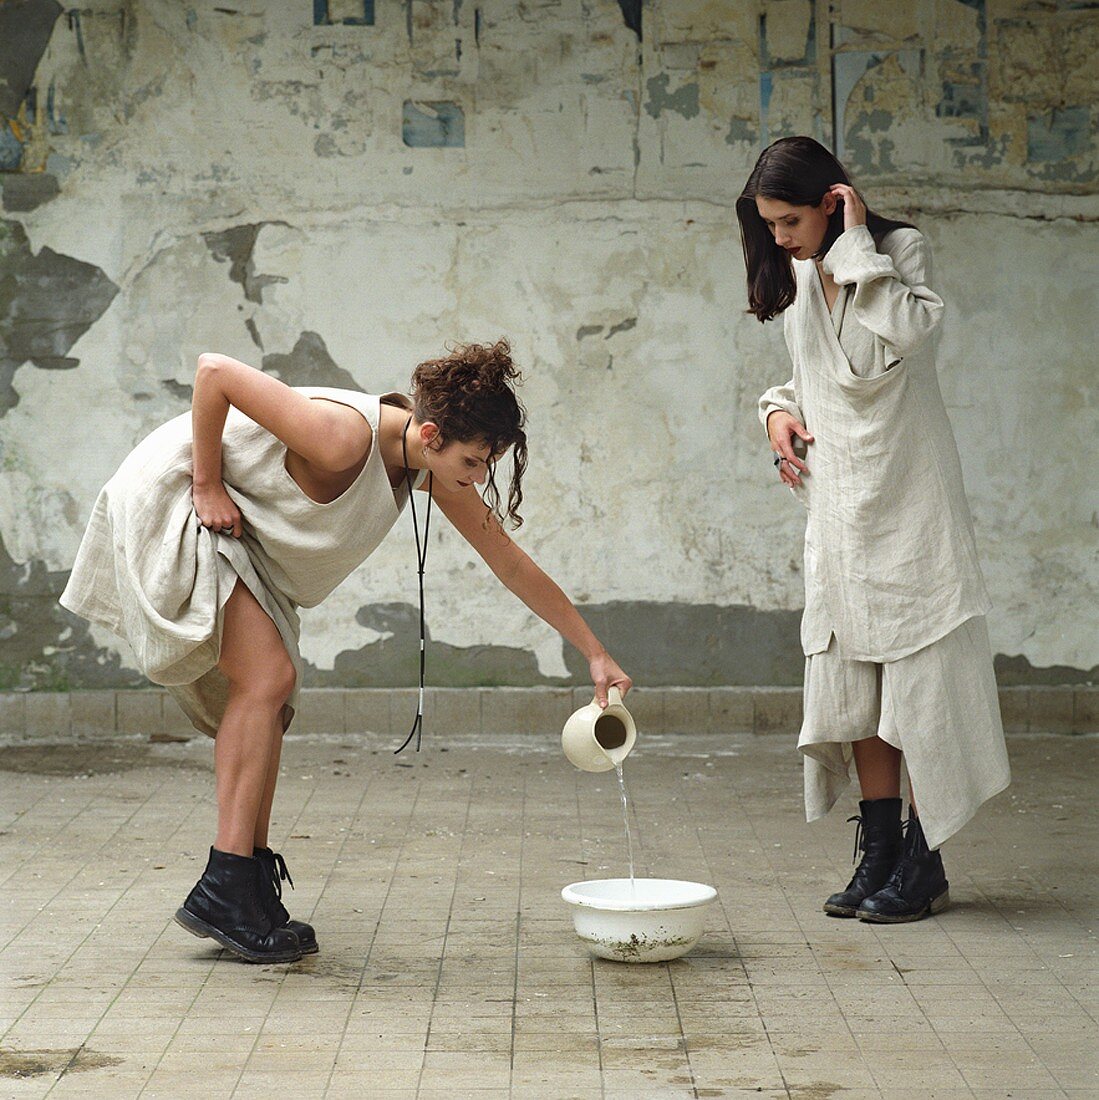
[
  {"x": 221, "y": 523},
  {"x": 897, "y": 657}
]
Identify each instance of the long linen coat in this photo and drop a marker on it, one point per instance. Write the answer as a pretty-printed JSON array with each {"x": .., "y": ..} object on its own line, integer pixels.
[
  {"x": 893, "y": 630},
  {"x": 890, "y": 557},
  {"x": 147, "y": 570}
]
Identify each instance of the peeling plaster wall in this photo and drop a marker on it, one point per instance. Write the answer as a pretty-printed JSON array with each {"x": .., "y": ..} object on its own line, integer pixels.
[{"x": 331, "y": 190}]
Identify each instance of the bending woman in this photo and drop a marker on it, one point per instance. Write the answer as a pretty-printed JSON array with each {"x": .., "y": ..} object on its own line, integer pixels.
[
  {"x": 897, "y": 657},
  {"x": 222, "y": 522}
]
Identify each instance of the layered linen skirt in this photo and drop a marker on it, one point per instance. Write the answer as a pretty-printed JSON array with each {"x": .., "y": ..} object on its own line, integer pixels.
[{"x": 939, "y": 706}]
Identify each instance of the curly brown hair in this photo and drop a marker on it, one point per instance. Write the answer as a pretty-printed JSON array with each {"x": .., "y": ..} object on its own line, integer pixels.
[{"x": 470, "y": 395}]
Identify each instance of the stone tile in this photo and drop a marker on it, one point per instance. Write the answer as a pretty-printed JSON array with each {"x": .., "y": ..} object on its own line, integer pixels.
[
  {"x": 445, "y": 948},
  {"x": 647, "y": 707},
  {"x": 320, "y": 710},
  {"x": 457, "y": 709},
  {"x": 47, "y": 714},
  {"x": 732, "y": 710},
  {"x": 687, "y": 710},
  {"x": 93, "y": 713},
  {"x": 582, "y": 696},
  {"x": 1085, "y": 710},
  {"x": 141, "y": 711},
  {"x": 176, "y": 721},
  {"x": 776, "y": 710},
  {"x": 366, "y": 710},
  {"x": 13, "y": 713},
  {"x": 1051, "y": 710},
  {"x": 524, "y": 710},
  {"x": 402, "y": 714},
  {"x": 1015, "y": 708}
]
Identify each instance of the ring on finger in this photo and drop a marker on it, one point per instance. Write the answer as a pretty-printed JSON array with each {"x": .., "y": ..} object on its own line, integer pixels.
[{"x": 778, "y": 460}]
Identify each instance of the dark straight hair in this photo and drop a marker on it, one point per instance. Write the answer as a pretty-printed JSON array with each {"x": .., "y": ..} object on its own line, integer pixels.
[{"x": 797, "y": 170}]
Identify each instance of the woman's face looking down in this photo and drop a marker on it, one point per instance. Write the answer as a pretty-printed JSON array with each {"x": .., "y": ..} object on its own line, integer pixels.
[
  {"x": 457, "y": 465},
  {"x": 799, "y": 230}
]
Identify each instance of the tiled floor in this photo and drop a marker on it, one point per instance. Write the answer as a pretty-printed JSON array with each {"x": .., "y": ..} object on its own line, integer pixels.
[{"x": 448, "y": 965}]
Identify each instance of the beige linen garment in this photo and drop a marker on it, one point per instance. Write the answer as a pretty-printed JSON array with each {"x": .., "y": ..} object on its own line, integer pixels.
[
  {"x": 890, "y": 557},
  {"x": 150, "y": 572}
]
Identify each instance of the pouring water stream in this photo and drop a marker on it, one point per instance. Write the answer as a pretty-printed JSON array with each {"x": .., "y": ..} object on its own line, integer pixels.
[{"x": 626, "y": 819}]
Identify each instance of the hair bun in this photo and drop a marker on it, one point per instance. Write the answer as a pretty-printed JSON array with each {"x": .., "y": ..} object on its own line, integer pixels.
[{"x": 490, "y": 365}]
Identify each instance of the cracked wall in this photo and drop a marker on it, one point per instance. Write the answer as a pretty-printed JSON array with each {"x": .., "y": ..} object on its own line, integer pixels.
[{"x": 332, "y": 190}]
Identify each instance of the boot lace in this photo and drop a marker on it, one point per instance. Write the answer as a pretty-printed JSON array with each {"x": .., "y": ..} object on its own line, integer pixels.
[
  {"x": 858, "y": 837},
  {"x": 280, "y": 872},
  {"x": 908, "y": 858}
]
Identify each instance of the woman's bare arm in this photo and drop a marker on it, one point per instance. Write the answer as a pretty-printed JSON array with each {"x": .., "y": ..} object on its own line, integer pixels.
[
  {"x": 518, "y": 572},
  {"x": 326, "y": 434}
]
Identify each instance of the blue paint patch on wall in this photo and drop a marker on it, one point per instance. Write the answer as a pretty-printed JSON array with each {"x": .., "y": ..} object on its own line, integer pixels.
[
  {"x": 11, "y": 149},
  {"x": 433, "y": 125},
  {"x": 766, "y": 87},
  {"x": 963, "y": 97},
  {"x": 1058, "y": 135},
  {"x": 322, "y": 17}
]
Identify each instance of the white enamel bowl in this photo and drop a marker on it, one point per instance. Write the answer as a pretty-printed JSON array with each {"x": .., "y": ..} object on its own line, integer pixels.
[{"x": 654, "y": 920}]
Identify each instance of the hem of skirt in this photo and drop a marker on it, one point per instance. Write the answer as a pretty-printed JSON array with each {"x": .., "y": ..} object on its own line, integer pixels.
[
  {"x": 937, "y": 836},
  {"x": 98, "y": 618},
  {"x": 845, "y": 739}
]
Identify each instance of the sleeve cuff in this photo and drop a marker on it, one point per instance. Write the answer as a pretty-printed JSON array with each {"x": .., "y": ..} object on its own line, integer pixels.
[{"x": 854, "y": 258}]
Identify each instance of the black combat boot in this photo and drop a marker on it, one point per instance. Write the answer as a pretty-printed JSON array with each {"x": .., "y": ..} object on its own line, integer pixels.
[
  {"x": 917, "y": 886},
  {"x": 229, "y": 904},
  {"x": 878, "y": 834},
  {"x": 274, "y": 871}
]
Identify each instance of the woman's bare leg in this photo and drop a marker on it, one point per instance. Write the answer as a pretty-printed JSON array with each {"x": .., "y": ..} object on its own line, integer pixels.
[
  {"x": 263, "y": 818},
  {"x": 261, "y": 678},
  {"x": 879, "y": 766}
]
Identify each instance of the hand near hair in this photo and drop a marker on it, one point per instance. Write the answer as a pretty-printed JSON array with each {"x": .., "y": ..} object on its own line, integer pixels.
[{"x": 854, "y": 209}]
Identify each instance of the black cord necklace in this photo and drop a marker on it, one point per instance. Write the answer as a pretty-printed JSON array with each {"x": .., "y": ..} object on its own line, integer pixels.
[{"x": 421, "y": 560}]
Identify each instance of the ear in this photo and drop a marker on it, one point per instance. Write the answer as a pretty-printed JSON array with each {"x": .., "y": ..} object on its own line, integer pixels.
[
  {"x": 828, "y": 203},
  {"x": 429, "y": 433}
]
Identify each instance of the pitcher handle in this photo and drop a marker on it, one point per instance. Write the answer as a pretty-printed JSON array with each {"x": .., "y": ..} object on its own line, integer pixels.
[{"x": 614, "y": 696}]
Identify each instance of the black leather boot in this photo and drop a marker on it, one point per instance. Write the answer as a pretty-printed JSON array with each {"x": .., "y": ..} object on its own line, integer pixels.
[
  {"x": 274, "y": 871},
  {"x": 878, "y": 834},
  {"x": 916, "y": 888},
  {"x": 228, "y": 904}
]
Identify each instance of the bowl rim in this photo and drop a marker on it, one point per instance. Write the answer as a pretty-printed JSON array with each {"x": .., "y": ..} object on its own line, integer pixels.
[{"x": 707, "y": 894}]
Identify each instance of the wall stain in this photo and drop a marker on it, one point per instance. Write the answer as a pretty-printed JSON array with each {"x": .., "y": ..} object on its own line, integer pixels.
[
  {"x": 36, "y": 1063},
  {"x": 23, "y": 191},
  {"x": 433, "y": 125},
  {"x": 47, "y": 648},
  {"x": 309, "y": 364},
  {"x": 661, "y": 644},
  {"x": 25, "y": 29},
  {"x": 47, "y": 302},
  {"x": 71, "y": 759},
  {"x": 1015, "y": 671},
  {"x": 394, "y": 661},
  {"x": 237, "y": 246},
  {"x": 683, "y": 101}
]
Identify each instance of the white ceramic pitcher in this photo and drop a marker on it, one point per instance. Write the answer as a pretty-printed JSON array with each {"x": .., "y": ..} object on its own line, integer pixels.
[{"x": 597, "y": 739}]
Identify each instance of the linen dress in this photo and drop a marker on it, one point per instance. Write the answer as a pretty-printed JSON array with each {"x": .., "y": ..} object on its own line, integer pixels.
[
  {"x": 149, "y": 571},
  {"x": 893, "y": 630}
]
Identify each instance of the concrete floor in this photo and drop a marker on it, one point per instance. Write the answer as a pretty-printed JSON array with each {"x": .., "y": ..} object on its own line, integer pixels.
[{"x": 448, "y": 965}]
